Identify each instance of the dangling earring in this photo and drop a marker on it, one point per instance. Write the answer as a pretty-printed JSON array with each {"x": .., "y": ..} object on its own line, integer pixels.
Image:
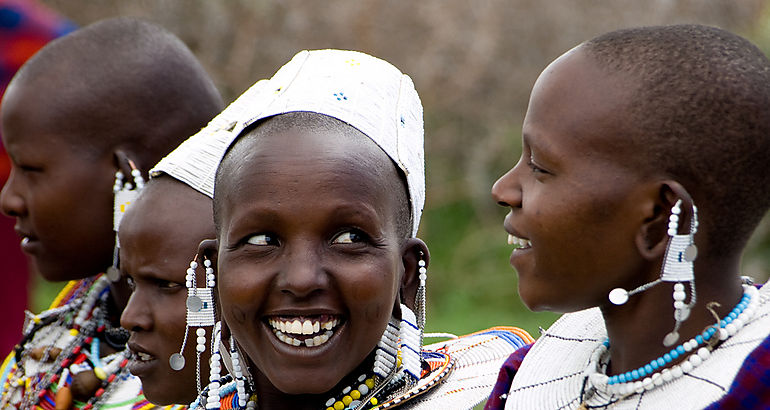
[
  {"x": 386, "y": 353},
  {"x": 411, "y": 343},
  {"x": 215, "y": 367},
  {"x": 123, "y": 195},
  {"x": 200, "y": 313},
  {"x": 420, "y": 299},
  {"x": 677, "y": 267},
  {"x": 240, "y": 380}
]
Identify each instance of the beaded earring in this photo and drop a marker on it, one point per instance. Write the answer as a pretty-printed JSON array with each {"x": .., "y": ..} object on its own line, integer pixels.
[
  {"x": 420, "y": 301},
  {"x": 411, "y": 343},
  {"x": 124, "y": 193},
  {"x": 200, "y": 313},
  {"x": 677, "y": 267},
  {"x": 215, "y": 367},
  {"x": 386, "y": 354},
  {"x": 240, "y": 379}
]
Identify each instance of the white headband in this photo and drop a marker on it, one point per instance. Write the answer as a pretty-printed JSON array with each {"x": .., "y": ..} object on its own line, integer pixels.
[{"x": 363, "y": 91}]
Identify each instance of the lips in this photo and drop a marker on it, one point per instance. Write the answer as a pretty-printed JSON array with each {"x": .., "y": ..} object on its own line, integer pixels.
[
  {"x": 304, "y": 331},
  {"x": 141, "y": 362},
  {"x": 29, "y": 242}
]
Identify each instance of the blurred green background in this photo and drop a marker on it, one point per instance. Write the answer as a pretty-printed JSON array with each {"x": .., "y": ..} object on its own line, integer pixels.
[{"x": 473, "y": 63}]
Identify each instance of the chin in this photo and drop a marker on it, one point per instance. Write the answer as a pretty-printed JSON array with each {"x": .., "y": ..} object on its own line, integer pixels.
[{"x": 542, "y": 302}]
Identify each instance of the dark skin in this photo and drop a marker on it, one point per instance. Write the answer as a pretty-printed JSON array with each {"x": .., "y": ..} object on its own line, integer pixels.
[
  {"x": 308, "y": 230},
  {"x": 596, "y": 220},
  {"x": 159, "y": 236},
  {"x": 60, "y": 194}
]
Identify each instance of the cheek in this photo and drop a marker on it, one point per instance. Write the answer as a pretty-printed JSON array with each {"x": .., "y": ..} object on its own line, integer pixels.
[
  {"x": 375, "y": 287},
  {"x": 239, "y": 292}
]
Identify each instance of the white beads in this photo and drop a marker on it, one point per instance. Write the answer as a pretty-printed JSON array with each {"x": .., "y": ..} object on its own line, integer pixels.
[
  {"x": 618, "y": 296},
  {"x": 239, "y": 379},
  {"x": 686, "y": 366},
  {"x": 210, "y": 278},
  {"x": 673, "y": 219}
]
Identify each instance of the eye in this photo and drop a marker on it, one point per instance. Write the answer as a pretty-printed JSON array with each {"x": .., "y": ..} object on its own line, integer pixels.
[
  {"x": 167, "y": 284},
  {"x": 352, "y": 236},
  {"x": 535, "y": 168},
  {"x": 261, "y": 240}
]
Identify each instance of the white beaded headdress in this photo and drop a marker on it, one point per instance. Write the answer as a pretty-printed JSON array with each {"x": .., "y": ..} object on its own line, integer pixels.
[
  {"x": 370, "y": 94},
  {"x": 195, "y": 161}
]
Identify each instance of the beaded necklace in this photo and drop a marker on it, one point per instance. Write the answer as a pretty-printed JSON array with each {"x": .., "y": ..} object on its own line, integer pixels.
[
  {"x": 656, "y": 373},
  {"x": 61, "y": 343}
]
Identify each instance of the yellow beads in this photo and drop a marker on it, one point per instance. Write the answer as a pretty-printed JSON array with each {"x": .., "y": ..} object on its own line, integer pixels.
[
  {"x": 74, "y": 332},
  {"x": 355, "y": 394},
  {"x": 330, "y": 408},
  {"x": 373, "y": 401},
  {"x": 100, "y": 373},
  {"x": 338, "y": 405},
  {"x": 369, "y": 383},
  {"x": 347, "y": 400},
  {"x": 36, "y": 319}
]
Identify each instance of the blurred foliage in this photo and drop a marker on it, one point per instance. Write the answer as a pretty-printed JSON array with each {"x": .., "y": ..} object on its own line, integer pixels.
[{"x": 474, "y": 63}]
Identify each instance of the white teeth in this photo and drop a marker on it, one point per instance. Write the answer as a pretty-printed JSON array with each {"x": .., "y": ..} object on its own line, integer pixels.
[
  {"x": 24, "y": 240},
  {"x": 305, "y": 327},
  {"x": 295, "y": 327},
  {"x": 309, "y": 342},
  {"x": 518, "y": 242},
  {"x": 143, "y": 356}
]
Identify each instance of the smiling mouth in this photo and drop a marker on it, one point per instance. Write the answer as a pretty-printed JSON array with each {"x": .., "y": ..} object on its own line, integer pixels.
[
  {"x": 143, "y": 357},
  {"x": 304, "y": 331},
  {"x": 519, "y": 243}
]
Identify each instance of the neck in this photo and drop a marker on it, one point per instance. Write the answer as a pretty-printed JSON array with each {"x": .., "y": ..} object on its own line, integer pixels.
[
  {"x": 636, "y": 329},
  {"x": 270, "y": 397}
]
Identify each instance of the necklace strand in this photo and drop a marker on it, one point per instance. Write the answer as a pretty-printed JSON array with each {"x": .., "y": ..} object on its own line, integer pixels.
[{"x": 655, "y": 373}]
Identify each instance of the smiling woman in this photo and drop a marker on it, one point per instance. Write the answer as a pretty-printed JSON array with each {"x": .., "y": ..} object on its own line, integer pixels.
[{"x": 320, "y": 278}]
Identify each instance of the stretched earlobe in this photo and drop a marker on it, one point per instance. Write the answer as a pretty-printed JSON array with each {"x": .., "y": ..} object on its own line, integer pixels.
[{"x": 209, "y": 249}]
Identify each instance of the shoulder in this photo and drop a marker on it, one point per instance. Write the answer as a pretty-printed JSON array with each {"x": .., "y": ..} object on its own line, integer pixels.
[
  {"x": 505, "y": 378},
  {"x": 463, "y": 369},
  {"x": 751, "y": 386}
]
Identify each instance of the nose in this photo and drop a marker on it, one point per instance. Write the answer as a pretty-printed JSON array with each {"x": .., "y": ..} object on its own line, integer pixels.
[
  {"x": 507, "y": 189},
  {"x": 11, "y": 202},
  {"x": 303, "y": 274},
  {"x": 137, "y": 314}
]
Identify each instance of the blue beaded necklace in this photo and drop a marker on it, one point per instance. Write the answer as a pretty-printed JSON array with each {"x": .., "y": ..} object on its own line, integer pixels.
[{"x": 655, "y": 373}]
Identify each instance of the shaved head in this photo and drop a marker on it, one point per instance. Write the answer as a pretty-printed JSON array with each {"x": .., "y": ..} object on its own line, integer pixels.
[
  {"x": 698, "y": 111},
  {"x": 130, "y": 84}
]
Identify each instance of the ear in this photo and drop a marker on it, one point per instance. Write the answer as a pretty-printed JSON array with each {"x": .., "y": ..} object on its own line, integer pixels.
[
  {"x": 652, "y": 237},
  {"x": 124, "y": 160},
  {"x": 209, "y": 249},
  {"x": 414, "y": 250}
]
